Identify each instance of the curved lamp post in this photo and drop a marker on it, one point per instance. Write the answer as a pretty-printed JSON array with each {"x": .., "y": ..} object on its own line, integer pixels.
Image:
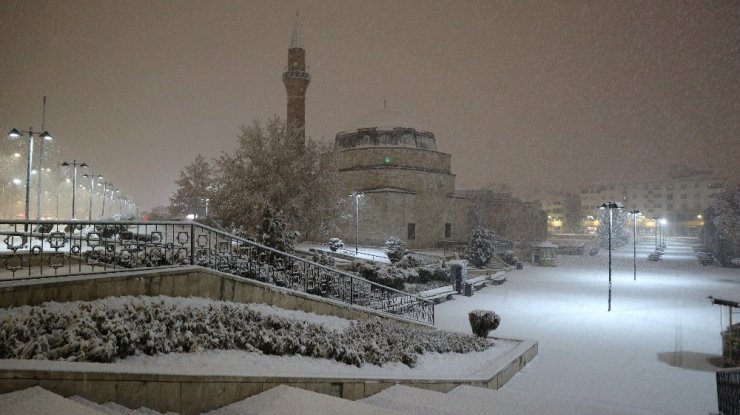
[
  {"x": 611, "y": 206},
  {"x": 15, "y": 133},
  {"x": 74, "y": 184}
]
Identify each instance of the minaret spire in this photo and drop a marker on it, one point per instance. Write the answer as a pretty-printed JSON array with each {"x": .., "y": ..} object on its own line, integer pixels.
[
  {"x": 294, "y": 40},
  {"x": 296, "y": 81}
]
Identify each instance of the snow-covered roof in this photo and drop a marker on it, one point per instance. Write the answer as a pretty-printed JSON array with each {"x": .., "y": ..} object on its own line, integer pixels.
[{"x": 384, "y": 119}]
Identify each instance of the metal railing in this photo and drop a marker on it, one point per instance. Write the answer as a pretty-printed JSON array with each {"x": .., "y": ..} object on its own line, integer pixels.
[
  {"x": 34, "y": 249},
  {"x": 728, "y": 391}
]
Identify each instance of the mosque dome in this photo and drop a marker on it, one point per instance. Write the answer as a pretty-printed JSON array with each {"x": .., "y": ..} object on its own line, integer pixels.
[
  {"x": 384, "y": 119},
  {"x": 385, "y": 128}
]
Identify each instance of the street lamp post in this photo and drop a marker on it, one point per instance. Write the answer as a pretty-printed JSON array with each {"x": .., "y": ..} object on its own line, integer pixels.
[
  {"x": 663, "y": 228},
  {"x": 657, "y": 224},
  {"x": 102, "y": 210},
  {"x": 611, "y": 206},
  {"x": 92, "y": 177},
  {"x": 634, "y": 213},
  {"x": 357, "y": 221},
  {"x": 74, "y": 184},
  {"x": 13, "y": 134}
]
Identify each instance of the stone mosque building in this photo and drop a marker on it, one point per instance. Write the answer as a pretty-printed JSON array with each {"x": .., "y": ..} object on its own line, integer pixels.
[
  {"x": 406, "y": 187},
  {"x": 402, "y": 185}
]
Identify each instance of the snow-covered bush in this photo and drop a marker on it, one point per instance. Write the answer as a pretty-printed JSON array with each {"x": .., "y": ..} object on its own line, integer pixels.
[
  {"x": 388, "y": 276},
  {"x": 395, "y": 248},
  {"x": 429, "y": 273},
  {"x": 408, "y": 261},
  {"x": 323, "y": 259},
  {"x": 481, "y": 246},
  {"x": 483, "y": 322},
  {"x": 106, "y": 330}
]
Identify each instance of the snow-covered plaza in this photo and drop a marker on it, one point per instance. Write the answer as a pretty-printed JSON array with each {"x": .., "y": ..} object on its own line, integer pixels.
[{"x": 652, "y": 353}]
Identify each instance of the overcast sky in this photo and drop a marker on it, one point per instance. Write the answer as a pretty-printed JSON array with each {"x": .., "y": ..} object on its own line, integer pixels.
[{"x": 542, "y": 94}]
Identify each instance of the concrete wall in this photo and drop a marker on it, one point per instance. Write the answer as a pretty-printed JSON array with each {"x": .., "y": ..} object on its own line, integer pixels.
[
  {"x": 388, "y": 213},
  {"x": 195, "y": 394},
  {"x": 399, "y": 157}
]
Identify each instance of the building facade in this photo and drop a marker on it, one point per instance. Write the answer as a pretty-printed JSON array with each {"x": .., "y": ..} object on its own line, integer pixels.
[{"x": 680, "y": 200}]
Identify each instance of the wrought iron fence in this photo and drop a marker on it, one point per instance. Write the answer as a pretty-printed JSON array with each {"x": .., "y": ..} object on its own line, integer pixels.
[
  {"x": 31, "y": 249},
  {"x": 728, "y": 391}
]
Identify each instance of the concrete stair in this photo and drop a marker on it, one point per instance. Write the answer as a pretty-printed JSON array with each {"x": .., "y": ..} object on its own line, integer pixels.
[
  {"x": 471, "y": 400},
  {"x": 285, "y": 400},
  {"x": 39, "y": 401}
]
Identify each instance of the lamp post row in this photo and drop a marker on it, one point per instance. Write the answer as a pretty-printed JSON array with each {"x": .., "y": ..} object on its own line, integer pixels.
[{"x": 45, "y": 136}]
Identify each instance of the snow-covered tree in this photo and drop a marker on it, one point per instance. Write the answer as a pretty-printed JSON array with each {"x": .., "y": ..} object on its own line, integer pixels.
[
  {"x": 395, "y": 248},
  {"x": 481, "y": 246},
  {"x": 272, "y": 168},
  {"x": 193, "y": 189},
  {"x": 721, "y": 232},
  {"x": 273, "y": 231},
  {"x": 620, "y": 234}
]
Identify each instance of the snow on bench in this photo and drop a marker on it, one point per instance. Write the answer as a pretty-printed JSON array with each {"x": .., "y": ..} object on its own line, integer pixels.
[
  {"x": 438, "y": 294},
  {"x": 483, "y": 280}
]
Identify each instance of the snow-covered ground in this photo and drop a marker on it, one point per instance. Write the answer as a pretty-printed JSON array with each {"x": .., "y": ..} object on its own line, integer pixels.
[
  {"x": 650, "y": 353},
  {"x": 362, "y": 252}
]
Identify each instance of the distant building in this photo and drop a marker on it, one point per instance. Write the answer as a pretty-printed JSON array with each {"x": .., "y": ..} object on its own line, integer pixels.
[
  {"x": 563, "y": 212},
  {"x": 681, "y": 200}
]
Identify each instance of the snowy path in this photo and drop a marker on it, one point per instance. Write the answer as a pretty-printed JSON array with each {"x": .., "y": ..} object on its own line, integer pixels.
[{"x": 648, "y": 354}]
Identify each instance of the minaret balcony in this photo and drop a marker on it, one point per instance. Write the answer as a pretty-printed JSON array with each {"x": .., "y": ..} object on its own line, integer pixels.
[{"x": 303, "y": 75}]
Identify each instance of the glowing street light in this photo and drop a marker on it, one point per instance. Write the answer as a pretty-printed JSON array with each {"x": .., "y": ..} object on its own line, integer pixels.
[
  {"x": 13, "y": 134},
  {"x": 74, "y": 184},
  {"x": 611, "y": 206}
]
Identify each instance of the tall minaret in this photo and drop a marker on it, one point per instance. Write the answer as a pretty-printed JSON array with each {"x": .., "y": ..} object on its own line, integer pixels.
[{"x": 296, "y": 81}]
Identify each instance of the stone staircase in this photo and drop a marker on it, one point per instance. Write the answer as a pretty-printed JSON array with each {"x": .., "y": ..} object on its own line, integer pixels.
[
  {"x": 400, "y": 399},
  {"x": 285, "y": 400},
  {"x": 39, "y": 401}
]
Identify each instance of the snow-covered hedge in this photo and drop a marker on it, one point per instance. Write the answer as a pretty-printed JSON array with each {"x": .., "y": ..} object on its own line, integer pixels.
[
  {"x": 397, "y": 275},
  {"x": 106, "y": 330}
]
